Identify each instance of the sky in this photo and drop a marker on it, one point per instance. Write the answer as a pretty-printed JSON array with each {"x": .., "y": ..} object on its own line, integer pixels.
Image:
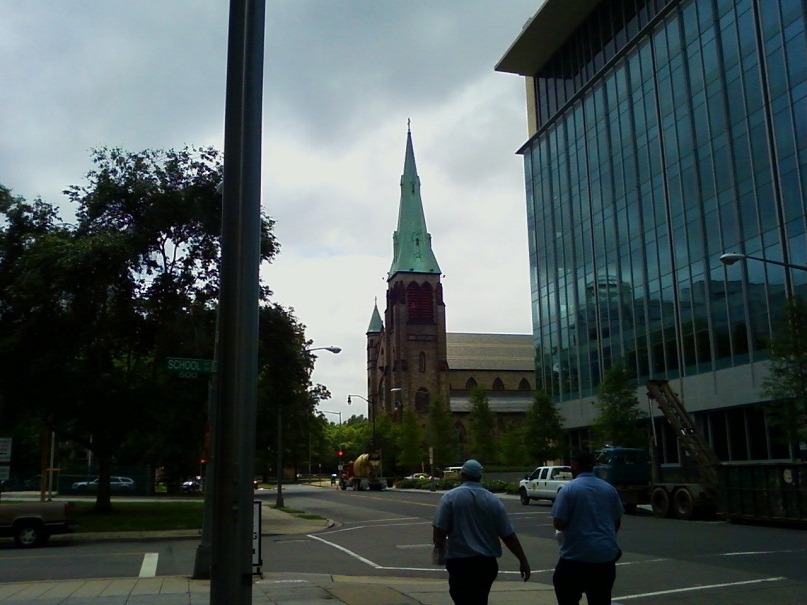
[{"x": 342, "y": 79}]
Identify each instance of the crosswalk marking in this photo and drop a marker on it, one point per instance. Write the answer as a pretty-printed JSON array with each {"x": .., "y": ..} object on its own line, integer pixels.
[{"x": 149, "y": 567}]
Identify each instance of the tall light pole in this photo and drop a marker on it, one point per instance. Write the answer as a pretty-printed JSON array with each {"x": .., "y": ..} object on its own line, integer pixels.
[
  {"x": 370, "y": 413},
  {"x": 328, "y": 412},
  {"x": 233, "y": 435},
  {"x": 279, "y": 503},
  {"x": 398, "y": 403},
  {"x": 732, "y": 257}
]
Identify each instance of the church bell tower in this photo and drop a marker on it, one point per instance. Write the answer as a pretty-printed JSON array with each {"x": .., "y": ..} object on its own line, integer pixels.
[{"x": 409, "y": 347}]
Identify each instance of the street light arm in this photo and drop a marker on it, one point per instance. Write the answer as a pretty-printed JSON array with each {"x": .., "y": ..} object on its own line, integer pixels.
[
  {"x": 730, "y": 258},
  {"x": 333, "y": 350}
]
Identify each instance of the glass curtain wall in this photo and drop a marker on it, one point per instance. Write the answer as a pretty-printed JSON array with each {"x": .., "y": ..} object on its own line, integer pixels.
[{"x": 670, "y": 133}]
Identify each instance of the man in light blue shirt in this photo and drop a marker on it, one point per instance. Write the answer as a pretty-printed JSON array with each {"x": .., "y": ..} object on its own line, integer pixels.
[
  {"x": 468, "y": 524},
  {"x": 589, "y": 513}
]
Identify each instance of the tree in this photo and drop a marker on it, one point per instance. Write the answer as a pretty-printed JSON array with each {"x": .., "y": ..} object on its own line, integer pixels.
[
  {"x": 441, "y": 435},
  {"x": 513, "y": 449},
  {"x": 618, "y": 422},
  {"x": 411, "y": 442},
  {"x": 482, "y": 426},
  {"x": 543, "y": 429},
  {"x": 97, "y": 306},
  {"x": 786, "y": 383}
]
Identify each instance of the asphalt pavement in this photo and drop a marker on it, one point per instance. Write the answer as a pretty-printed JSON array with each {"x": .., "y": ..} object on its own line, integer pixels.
[{"x": 274, "y": 588}]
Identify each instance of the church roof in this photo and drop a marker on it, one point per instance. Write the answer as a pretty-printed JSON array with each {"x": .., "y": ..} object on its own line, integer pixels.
[
  {"x": 513, "y": 403},
  {"x": 490, "y": 351},
  {"x": 376, "y": 324},
  {"x": 411, "y": 242}
]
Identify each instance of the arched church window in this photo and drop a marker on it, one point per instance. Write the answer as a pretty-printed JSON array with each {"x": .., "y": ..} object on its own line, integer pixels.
[
  {"x": 470, "y": 385},
  {"x": 422, "y": 401},
  {"x": 498, "y": 385},
  {"x": 420, "y": 302},
  {"x": 462, "y": 438},
  {"x": 524, "y": 385},
  {"x": 422, "y": 361}
]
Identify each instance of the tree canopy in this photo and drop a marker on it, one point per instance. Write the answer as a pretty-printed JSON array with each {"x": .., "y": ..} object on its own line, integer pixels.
[
  {"x": 619, "y": 419},
  {"x": 786, "y": 383},
  {"x": 89, "y": 311}
]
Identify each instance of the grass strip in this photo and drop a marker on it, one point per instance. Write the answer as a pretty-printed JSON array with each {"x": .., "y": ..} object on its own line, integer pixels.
[{"x": 140, "y": 516}]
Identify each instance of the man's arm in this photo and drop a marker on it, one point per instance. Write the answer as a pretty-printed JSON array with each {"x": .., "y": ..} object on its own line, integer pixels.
[
  {"x": 514, "y": 546},
  {"x": 559, "y": 524},
  {"x": 439, "y": 537}
]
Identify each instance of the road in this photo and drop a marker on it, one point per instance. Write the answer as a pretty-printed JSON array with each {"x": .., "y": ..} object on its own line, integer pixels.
[{"x": 665, "y": 562}]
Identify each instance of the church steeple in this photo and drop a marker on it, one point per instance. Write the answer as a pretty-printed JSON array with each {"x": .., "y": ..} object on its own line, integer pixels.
[
  {"x": 411, "y": 242},
  {"x": 376, "y": 324}
]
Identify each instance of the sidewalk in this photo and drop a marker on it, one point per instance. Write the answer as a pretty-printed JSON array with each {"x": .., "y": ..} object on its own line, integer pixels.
[{"x": 274, "y": 589}]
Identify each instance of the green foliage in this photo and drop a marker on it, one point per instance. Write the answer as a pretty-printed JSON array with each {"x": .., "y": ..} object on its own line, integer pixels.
[
  {"x": 96, "y": 307},
  {"x": 786, "y": 383},
  {"x": 618, "y": 422},
  {"x": 482, "y": 427},
  {"x": 411, "y": 443},
  {"x": 141, "y": 516},
  {"x": 543, "y": 430},
  {"x": 513, "y": 448},
  {"x": 441, "y": 435}
]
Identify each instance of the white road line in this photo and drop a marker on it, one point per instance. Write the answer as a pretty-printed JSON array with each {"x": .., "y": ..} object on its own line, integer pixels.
[
  {"x": 355, "y": 527},
  {"x": 693, "y": 588},
  {"x": 346, "y": 550},
  {"x": 149, "y": 567},
  {"x": 758, "y": 552},
  {"x": 384, "y": 520}
]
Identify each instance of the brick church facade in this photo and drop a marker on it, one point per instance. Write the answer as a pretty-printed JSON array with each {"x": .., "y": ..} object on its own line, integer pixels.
[{"x": 412, "y": 359}]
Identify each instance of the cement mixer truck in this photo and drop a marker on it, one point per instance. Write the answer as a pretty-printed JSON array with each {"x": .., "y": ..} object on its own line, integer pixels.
[{"x": 363, "y": 473}]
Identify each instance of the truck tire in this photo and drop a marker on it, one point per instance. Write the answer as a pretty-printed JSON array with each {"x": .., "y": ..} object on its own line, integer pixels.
[
  {"x": 522, "y": 495},
  {"x": 660, "y": 502},
  {"x": 30, "y": 533},
  {"x": 683, "y": 504}
]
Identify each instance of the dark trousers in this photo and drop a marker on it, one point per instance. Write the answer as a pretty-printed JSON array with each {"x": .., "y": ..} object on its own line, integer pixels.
[
  {"x": 572, "y": 579},
  {"x": 470, "y": 579}
]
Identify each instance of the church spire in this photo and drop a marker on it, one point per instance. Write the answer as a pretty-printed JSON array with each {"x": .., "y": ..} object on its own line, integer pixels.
[
  {"x": 412, "y": 244},
  {"x": 376, "y": 324}
]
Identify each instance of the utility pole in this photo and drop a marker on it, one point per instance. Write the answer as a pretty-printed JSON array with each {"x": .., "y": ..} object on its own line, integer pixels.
[{"x": 233, "y": 434}]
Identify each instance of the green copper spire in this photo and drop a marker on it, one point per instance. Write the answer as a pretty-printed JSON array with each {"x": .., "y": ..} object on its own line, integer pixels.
[
  {"x": 376, "y": 324},
  {"x": 411, "y": 243}
]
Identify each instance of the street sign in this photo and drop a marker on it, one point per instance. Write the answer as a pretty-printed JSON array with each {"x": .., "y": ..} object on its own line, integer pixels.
[
  {"x": 189, "y": 368},
  {"x": 5, "y": 449}
]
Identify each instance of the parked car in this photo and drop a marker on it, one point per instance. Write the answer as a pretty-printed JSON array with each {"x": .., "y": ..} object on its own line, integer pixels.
[
  {"x": 419, "y": 477},
  {"x": 544, "y": 483},
  {"x": 116, "y": 484},
  {"x": 191, "y": 485}
]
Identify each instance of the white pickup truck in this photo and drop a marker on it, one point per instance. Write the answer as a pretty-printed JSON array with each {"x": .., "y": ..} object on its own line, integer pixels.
[{"x": 544, "y": 483}]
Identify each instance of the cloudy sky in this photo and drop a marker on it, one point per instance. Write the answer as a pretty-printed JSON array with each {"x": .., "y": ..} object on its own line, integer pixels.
[{"x": 342, "y": 77}]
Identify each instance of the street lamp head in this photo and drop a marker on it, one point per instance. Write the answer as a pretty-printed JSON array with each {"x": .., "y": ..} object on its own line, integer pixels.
[
  {"x": 333, "y": 350},
  {"x": 731, "y": 258},
  {"x": 396, "y": 390}
]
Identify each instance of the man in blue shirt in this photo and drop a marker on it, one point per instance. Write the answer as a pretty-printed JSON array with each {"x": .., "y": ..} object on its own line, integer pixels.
[
  {"x": 589, "y": 513},
  {"x": 468, "y": 524}
]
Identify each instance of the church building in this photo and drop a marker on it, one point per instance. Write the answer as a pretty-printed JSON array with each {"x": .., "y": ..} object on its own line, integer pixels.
[{"x": 411, "y": 358}]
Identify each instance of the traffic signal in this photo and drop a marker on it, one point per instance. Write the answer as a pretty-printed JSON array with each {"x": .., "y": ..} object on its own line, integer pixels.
[{"x": 340, "y": 453}]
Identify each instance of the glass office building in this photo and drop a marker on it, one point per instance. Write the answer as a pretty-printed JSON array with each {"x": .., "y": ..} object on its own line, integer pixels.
[{"x": 664, "y": 133}]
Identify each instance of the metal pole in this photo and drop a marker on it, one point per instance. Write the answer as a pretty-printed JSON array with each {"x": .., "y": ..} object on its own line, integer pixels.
[
  {"x": 279, "y": 501},
  {"x": 234, "y": 435}
]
